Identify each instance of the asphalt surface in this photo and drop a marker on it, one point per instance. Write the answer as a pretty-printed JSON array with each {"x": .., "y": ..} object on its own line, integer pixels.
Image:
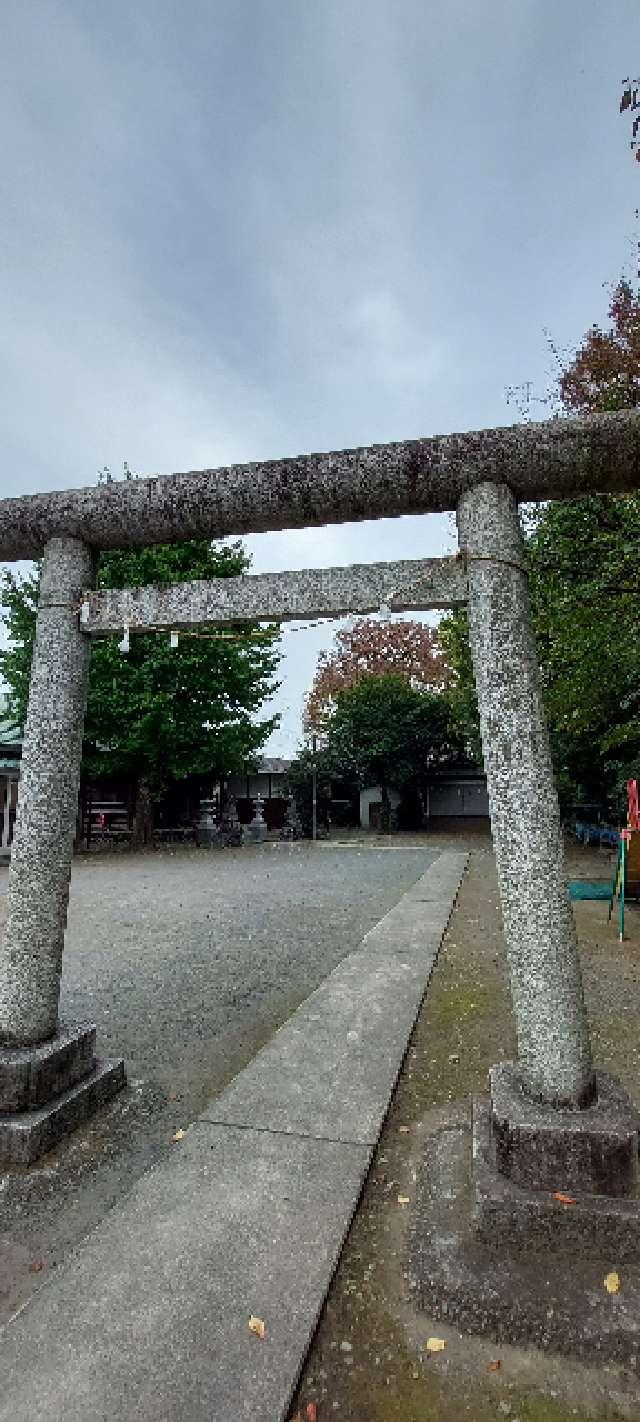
[
  {"x": 151, "y": 1317},
  {"x": 188, "y": 962}
]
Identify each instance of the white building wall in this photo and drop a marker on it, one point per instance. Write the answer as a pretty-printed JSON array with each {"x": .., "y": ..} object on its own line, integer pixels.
[{"x": 373, "y": 796}]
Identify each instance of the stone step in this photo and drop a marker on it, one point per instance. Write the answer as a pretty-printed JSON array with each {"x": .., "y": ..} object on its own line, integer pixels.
[
  {"x": 31, "y": 1076},
  {"x": 26, "y": 1135}
]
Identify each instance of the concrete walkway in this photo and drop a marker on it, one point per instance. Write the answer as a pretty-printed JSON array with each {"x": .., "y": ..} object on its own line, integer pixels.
[{"x": 149, "y": 1319}]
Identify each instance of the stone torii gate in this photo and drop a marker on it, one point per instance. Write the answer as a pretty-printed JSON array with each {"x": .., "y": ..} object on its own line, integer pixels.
[{"x": 49, "y": 1079}]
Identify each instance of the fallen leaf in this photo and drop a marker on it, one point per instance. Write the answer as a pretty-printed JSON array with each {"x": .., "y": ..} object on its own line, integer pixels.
[
  {"x": 612, "y": 1282},
  {"x": 403, "y": 1199},
  {"x": 494, "y": 1366},
  {"x": 435, "y": 1345},
  {"x": 256, "y": 1326},
  {"x": 312, "y": 1412},
  {"x": 564, "y": 1199},
  {"x": 36, "y": 1266},
  {"x": 179, "y": 1136},
  {"x": 404, "y": 1130}
]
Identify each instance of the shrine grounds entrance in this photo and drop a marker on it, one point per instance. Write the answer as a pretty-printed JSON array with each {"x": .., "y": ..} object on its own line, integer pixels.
[
  {"x": 482, "y": 476},
  {"x": 551, "y": 1117}
]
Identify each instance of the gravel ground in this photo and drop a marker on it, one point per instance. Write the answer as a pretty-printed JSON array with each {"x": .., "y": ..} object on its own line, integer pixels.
[
  {"x": 368, "y": 1361},
  {"x": 188, "y": 961}
]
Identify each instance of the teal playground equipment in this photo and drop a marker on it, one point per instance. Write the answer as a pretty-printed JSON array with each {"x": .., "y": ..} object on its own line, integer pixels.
[{"x": 626, "y": 879}]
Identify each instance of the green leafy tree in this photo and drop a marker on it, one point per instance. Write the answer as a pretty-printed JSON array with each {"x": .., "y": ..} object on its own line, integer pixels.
[
  {"x": 585, "y": 587},
  {"x": 159, "y": 713},
  {"x": 369, "y": 647},
  {"x": 385, "y": 732},
  {"x": 585, "y": 583},
  {"x": 453, "y": 635},
  {"x": 300, "y": 784},
  {"x": 583, "y": 559},
  {"x": 19, "y": 602}
]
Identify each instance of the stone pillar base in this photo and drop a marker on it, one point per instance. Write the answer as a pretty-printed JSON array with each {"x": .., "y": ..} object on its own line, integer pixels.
[
  {"x": 521, "y": 1267},
  {"x": 593, "y": 1151},
  {"x": 543, "y": 1177},
  {"x": 255, "y": 833},
  {"x": 48, "y": 1089}
]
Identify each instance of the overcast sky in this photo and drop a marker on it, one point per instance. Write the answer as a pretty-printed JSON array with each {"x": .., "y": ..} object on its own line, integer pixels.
[{"x": 238, "y": 229}]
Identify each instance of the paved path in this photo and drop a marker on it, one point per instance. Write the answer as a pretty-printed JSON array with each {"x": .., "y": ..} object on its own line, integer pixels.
[
  {"x": 188, "y": 961},
  {"x": 149, "y": 1319}
]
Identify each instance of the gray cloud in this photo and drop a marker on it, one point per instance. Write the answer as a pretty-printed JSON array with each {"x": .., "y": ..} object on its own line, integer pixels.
[{"x": 241, "y": 228}]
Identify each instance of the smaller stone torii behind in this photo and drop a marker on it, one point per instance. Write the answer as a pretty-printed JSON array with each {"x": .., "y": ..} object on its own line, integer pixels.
[{"x": 551, "y": 1118}]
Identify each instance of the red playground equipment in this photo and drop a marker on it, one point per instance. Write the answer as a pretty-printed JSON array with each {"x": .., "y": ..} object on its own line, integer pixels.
[{"x": 626, "y": 880}]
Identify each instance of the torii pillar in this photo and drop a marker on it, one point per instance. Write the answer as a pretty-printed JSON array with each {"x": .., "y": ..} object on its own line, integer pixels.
[
  {"x": 50, "y": 1080},
  {"x": 554, "y": 1124}
]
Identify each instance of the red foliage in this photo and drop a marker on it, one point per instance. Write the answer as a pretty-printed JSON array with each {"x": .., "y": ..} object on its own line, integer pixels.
[
  {"x": 371, "y": 648},
  {"x": 605, "y": 372}
]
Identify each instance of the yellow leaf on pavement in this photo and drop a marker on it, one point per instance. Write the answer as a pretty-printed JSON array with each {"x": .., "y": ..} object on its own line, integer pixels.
[
  {"x": 403, "y": 1199},
  {"x": 435, "y": 1345},
  {"x": 179, "y": 1136},
  {"x": 612, "y": 1282},
  {"x": 256, "y": 1326}
]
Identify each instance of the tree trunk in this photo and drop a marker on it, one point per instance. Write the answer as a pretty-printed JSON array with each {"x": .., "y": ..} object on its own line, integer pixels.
[
  {"x": 385, "y": 814},
  {"x": 143, "y": 817}
]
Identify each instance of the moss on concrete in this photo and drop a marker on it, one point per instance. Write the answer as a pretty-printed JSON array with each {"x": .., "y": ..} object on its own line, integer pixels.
[{"x": 455, "y": 1003}]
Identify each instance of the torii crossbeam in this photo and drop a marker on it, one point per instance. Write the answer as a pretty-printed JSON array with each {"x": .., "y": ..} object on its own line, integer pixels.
[{"x": 483, "y": 476}]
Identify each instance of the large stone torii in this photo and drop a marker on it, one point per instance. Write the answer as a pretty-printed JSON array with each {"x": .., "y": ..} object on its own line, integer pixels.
[{"x": 49, "y": 1079}]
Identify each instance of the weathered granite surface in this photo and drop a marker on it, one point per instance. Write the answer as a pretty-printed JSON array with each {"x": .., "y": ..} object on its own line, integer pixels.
[
  {"x": 557, "y": 459},
  {"x": 520, "y": 1219},
  {"x": 593, "y": 1151},
  {"x": 308, "y": 592},
  {"x": 31, "y": 1076},
  {"x": 38, "y": 888},
  {"x": 554, "y": 1050},
  {"x": 535, "y": 1275},
  {"x": 26, "y": 1135}
]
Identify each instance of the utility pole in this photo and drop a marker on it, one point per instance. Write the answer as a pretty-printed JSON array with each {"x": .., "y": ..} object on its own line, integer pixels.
[{"x": 314, "y": 791}]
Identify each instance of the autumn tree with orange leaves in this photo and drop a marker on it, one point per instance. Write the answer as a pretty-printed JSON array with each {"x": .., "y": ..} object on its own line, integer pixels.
[
  {"x": 585, "y": 584},
  {"x": 584, "y": 566},
  {"x": 376, "y": 648},
  {"x": 604, "y": 373}
]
